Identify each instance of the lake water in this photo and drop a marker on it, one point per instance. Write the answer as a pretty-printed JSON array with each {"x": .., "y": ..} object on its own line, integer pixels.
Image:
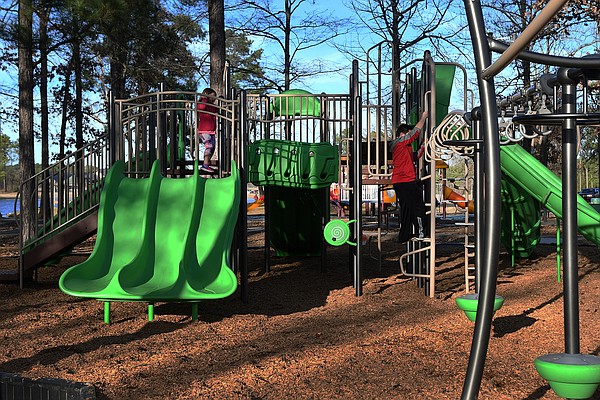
[{"x": 7, "y": 206}]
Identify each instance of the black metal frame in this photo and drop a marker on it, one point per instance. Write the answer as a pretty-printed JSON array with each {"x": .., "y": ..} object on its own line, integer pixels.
[{"x": 568, "y": 77}]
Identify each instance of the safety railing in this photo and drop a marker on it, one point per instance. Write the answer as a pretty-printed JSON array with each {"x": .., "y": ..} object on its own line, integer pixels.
[
  {"x": 301, "y": 117},
  {"x": 164, "y": 126}
]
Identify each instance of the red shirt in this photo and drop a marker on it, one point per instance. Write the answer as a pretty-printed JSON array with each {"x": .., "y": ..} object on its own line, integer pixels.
[
  {"x": 402, "y": 156},
  {"x": 207, "y": 123}
]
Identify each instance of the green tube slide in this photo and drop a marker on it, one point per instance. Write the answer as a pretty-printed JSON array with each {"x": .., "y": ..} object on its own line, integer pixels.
[
  {"x": 298, "y": 176},
  {"x": 520, "y": 222},
  {"x": 526, "y": 172},
  {"x": 160, "y": 239}
]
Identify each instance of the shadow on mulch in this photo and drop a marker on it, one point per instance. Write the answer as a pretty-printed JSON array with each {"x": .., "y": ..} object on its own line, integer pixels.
[
  {"x": 53, "y": 355},
  {"x": 293, "y": 285}
]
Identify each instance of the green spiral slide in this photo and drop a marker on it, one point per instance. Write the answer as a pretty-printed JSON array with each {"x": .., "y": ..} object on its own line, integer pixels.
[
  {"x": 160, "y": 239},
  {"x": 525, "y": 172}
]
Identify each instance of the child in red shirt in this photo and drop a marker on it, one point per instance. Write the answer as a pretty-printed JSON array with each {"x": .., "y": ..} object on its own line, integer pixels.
[
  {"x": 207, "y": 126},
  {"x": 409, "y": 196}
]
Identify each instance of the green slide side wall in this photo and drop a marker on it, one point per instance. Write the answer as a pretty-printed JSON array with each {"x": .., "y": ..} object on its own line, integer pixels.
[
  {"x": 160, "y": 239},
  {"x": 298, "y": 176},
  {"x": 537, "y": 180},
  {"x": 297, "y": 102}
]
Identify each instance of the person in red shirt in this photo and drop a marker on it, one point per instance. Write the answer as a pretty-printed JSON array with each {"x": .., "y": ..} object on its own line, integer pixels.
[
  {"x": 409, "y": 196},
  {"x": 207, "y": 126}
]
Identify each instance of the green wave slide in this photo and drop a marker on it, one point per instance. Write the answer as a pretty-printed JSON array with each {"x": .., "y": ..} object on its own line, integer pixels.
[
  {"x": 525, "y": 171},
  {"x": 160, "y": 239}
]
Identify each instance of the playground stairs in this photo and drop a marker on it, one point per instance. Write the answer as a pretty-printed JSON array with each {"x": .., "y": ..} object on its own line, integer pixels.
[
  {"x": 60, "y": 228},
  {"x": 59, "y": 242}
]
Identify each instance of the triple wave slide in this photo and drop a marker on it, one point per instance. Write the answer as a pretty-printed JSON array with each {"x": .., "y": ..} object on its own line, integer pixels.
[
  {"x": 160, "y": 239},
  {"x": 525, "y": 171}
]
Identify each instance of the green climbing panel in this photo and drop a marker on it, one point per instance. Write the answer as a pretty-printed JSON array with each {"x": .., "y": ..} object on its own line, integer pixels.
[{"x": 292, "y": 164}]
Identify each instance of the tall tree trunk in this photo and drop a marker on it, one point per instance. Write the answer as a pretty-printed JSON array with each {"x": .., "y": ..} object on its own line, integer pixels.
[
  {"x": 216, "y": 32},
  {"x": 118, "y": 59},
  {"x": 43, "y": 15},
  {"x": 77, "y": 67},
  {"x": 527, "y": 83},
  {"x": 26, "y": 155},
  {"x": 524, "y": 11},
  {"x": 65, "y": 111},
  {"x": 544, "y": 150},
  {"x": 286, "y": 47}
]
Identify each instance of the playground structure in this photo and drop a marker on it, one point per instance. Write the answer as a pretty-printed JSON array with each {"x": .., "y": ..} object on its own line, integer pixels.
[{"x": 153, "y": 127}]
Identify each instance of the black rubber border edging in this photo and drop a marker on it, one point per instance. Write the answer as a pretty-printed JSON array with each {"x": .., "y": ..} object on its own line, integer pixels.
[{"x": 15, "y": 387}]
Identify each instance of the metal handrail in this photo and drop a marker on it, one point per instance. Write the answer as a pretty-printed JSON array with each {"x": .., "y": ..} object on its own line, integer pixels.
[{"x": 65, "y": 200}]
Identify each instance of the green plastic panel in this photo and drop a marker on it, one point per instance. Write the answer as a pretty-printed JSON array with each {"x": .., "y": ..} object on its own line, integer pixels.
[
  {"x": 160, "y": 239},
  {"x": 296, "y": 220},
  {"x": 295, "y": 102},
  {"x": 444, "y": 79},
  {"x": 292, "y": 164},
  {"x": 541, "y": 183}
]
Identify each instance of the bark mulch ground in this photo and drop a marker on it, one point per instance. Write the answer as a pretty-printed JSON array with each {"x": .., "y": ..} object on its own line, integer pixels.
[{"x": 303, "y": 334}]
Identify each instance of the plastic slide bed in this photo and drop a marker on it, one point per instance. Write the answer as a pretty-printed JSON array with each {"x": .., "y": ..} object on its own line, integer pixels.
[{"x": 160, "y": 239}]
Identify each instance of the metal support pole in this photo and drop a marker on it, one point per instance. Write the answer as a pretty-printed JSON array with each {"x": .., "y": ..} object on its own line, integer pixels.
[
  {"x": 478, "y": 197},
  {"x": 569, "y": 209},
  {"x": 243, "y": 220},
  {"x": 357, "y": 186},
  {"x": 112, "y": 145},
  {"x": 267, "y": 207},
  {"x": 491, "y": 243}
]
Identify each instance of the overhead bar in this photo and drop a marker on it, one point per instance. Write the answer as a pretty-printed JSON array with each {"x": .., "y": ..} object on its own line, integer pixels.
[
  {"x": 538, "y": 23},
  {"x": 498, "y": 46}
]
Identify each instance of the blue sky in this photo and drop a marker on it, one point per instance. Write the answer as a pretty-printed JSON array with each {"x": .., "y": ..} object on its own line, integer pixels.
[{"x": 331, "y": 83}]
